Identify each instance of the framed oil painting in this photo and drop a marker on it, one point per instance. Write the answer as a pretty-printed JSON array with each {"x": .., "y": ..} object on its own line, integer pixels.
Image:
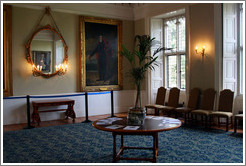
[
  {"x": 101, "y": 64},
  {"x": 42, "y": 59}
]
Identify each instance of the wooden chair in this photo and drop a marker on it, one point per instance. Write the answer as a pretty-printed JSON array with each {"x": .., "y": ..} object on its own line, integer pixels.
[
  {"x": 237, "y": 118},
  {"x": 192, "y": 104},
  {"x": 207, "y": 105},
  {"x": 160, "y": 100},
  {"x": 225, "y": 107},
  {"x": 173, "y": 101}
]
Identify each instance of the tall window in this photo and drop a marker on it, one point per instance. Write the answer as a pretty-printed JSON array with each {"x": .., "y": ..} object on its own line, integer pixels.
[
  {"x": 233, "y": 47},
  {"x": 241, "y": 46},
  {"x": 174, "y": 36}
]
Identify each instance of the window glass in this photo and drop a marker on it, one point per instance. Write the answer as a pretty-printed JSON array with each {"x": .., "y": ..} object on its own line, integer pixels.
[
  {"x": 175, "y": 60},
  {"x": 172, "y": 71},
  {"x": 171, "y": 38},
  {"x": 182, "y": 71},
  {"x": 181, "y": 39}
]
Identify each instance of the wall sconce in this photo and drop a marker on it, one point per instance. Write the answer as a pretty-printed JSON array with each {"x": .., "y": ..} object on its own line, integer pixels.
[
  {"x": 36, "y": 70},
  {"x": 59, "y": 69},
  {"x": 202, "y": 52}
]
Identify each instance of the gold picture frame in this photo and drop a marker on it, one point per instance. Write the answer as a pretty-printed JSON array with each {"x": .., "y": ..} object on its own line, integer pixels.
[
  {"x": 100, "y": 61},
  {"x": 7, "y": 51}
]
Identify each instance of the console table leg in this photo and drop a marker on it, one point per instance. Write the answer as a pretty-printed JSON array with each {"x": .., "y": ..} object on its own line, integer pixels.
[
  {"x": 70, "y": 112},
  {"x": 35, "y": 116}
]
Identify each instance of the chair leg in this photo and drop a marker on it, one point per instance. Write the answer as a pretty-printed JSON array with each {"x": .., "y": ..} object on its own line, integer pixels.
[
  {"x": 185, "y": 118},
  {"x": 176, "y": 114},
  {"x": 202, "y": 119},
  {"x": 218, "y": 121},
  {"x": 227, "y": 123},
  {"x": 191, "y": 118},
  {"x": 235, "y": 125},
  {"x": 231, "y": 122},
  {"x": 206, "y": 121},
  {"x": 210, "y": 121}
]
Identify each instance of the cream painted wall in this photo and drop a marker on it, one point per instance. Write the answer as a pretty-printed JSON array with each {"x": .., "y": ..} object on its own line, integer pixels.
[
  {"x": 202, "y": 33},
  {"x": 24, "y": 22},
  {"x": 140, "y": 27},
  {"x": 128, "y": 42}
]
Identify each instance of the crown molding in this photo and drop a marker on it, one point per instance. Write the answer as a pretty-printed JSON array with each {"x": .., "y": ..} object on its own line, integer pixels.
[
  {"x": 121, "y": 11},
  {"x": 88, "y": 9}
]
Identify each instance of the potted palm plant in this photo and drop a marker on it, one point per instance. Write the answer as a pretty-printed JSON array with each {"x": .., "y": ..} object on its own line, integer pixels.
[{"x": 141, "y": 61}]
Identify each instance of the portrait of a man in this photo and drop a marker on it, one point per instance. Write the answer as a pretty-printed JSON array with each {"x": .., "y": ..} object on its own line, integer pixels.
[
  {"x": 42, "y": 58},
  {"x": 101, "y": 54},
  {"x": 101, "y": 62}
]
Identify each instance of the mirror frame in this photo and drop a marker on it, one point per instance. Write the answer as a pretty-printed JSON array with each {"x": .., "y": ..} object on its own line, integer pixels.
[{"x": 29, "y": 56}]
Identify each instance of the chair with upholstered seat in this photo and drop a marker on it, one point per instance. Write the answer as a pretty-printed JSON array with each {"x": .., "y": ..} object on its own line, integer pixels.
[
  {"x": 225, "y": 107},
  {"x": 237, "y": 118},
  {"x": 207, "y": 105},
  {"x": 160, "y": 100},
  {"x": 192, "y": 104},
  {"x": 173, "y": 101}
]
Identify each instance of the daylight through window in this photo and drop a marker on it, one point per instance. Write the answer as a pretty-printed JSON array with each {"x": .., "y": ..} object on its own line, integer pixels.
[{"x": 174, "y": 36}]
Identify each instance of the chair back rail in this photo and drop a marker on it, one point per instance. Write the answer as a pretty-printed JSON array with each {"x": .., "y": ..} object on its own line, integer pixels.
[
  {"x": 226, "y": 100},
  {"x": 173, "y": 99},
  {"x": 194, "y": 98},
  {"x": 161, "y": 94},
  {"x": 208, "y": 99}
]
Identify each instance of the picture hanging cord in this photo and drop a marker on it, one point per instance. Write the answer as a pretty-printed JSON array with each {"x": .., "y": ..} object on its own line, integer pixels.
[{"x": 48, "y": 12}]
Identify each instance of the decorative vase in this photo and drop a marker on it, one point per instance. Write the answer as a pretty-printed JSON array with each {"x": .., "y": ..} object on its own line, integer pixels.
[{"x": 136, "y": 116}]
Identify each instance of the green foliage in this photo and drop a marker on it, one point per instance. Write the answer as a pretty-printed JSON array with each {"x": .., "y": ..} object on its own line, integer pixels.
[{"x": 145, "y": 61}]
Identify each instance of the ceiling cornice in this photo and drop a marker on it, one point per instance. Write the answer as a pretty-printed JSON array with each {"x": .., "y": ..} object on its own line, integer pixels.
[
  {"x": 87, "y": 9},
  {"x": 121, "y": 11}
]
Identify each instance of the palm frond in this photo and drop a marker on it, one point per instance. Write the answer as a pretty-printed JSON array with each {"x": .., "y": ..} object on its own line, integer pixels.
[
  {"x": 145, "y": 62},
  {"x": 126, "y": 53}
]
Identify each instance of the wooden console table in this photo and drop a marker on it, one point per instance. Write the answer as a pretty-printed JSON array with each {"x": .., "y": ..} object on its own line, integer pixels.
[{"x": 46, "y": 103}]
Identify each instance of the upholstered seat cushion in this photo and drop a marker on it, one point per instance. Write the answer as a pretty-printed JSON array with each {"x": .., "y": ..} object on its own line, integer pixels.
[
  {"x": 166, "y": 108},
  {"x": 153, "y": 106},
  {"x": 202, "y": 112},
  {"x": 239, "y": 116},
  {"x": 219, "y": 113},
  {"x": 183, "y": 109}
]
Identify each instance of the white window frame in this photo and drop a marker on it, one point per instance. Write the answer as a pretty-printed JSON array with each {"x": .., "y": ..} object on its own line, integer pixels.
[
  {"x": 240, "y": 48},
  {"x": 232, "y": 12},
  {"x": 175, "y": 53}
]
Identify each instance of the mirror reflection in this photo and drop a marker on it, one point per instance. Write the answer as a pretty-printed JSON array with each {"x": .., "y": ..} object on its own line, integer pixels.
[{"x": 47, "y": 51}]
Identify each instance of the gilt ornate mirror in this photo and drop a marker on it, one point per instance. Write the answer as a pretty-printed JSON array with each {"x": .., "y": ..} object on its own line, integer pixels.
[{"x": 47, "y": 51}]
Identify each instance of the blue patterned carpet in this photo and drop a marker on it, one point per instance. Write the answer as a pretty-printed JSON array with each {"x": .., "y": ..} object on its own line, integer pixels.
[{"x": 82, "y": 143}]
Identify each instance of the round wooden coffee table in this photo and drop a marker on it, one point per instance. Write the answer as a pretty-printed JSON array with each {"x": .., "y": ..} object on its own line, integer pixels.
[{"x": 152, "y": 126}]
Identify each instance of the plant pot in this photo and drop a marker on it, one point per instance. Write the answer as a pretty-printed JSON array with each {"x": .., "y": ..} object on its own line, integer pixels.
[{"x": 136, "y": 116}]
